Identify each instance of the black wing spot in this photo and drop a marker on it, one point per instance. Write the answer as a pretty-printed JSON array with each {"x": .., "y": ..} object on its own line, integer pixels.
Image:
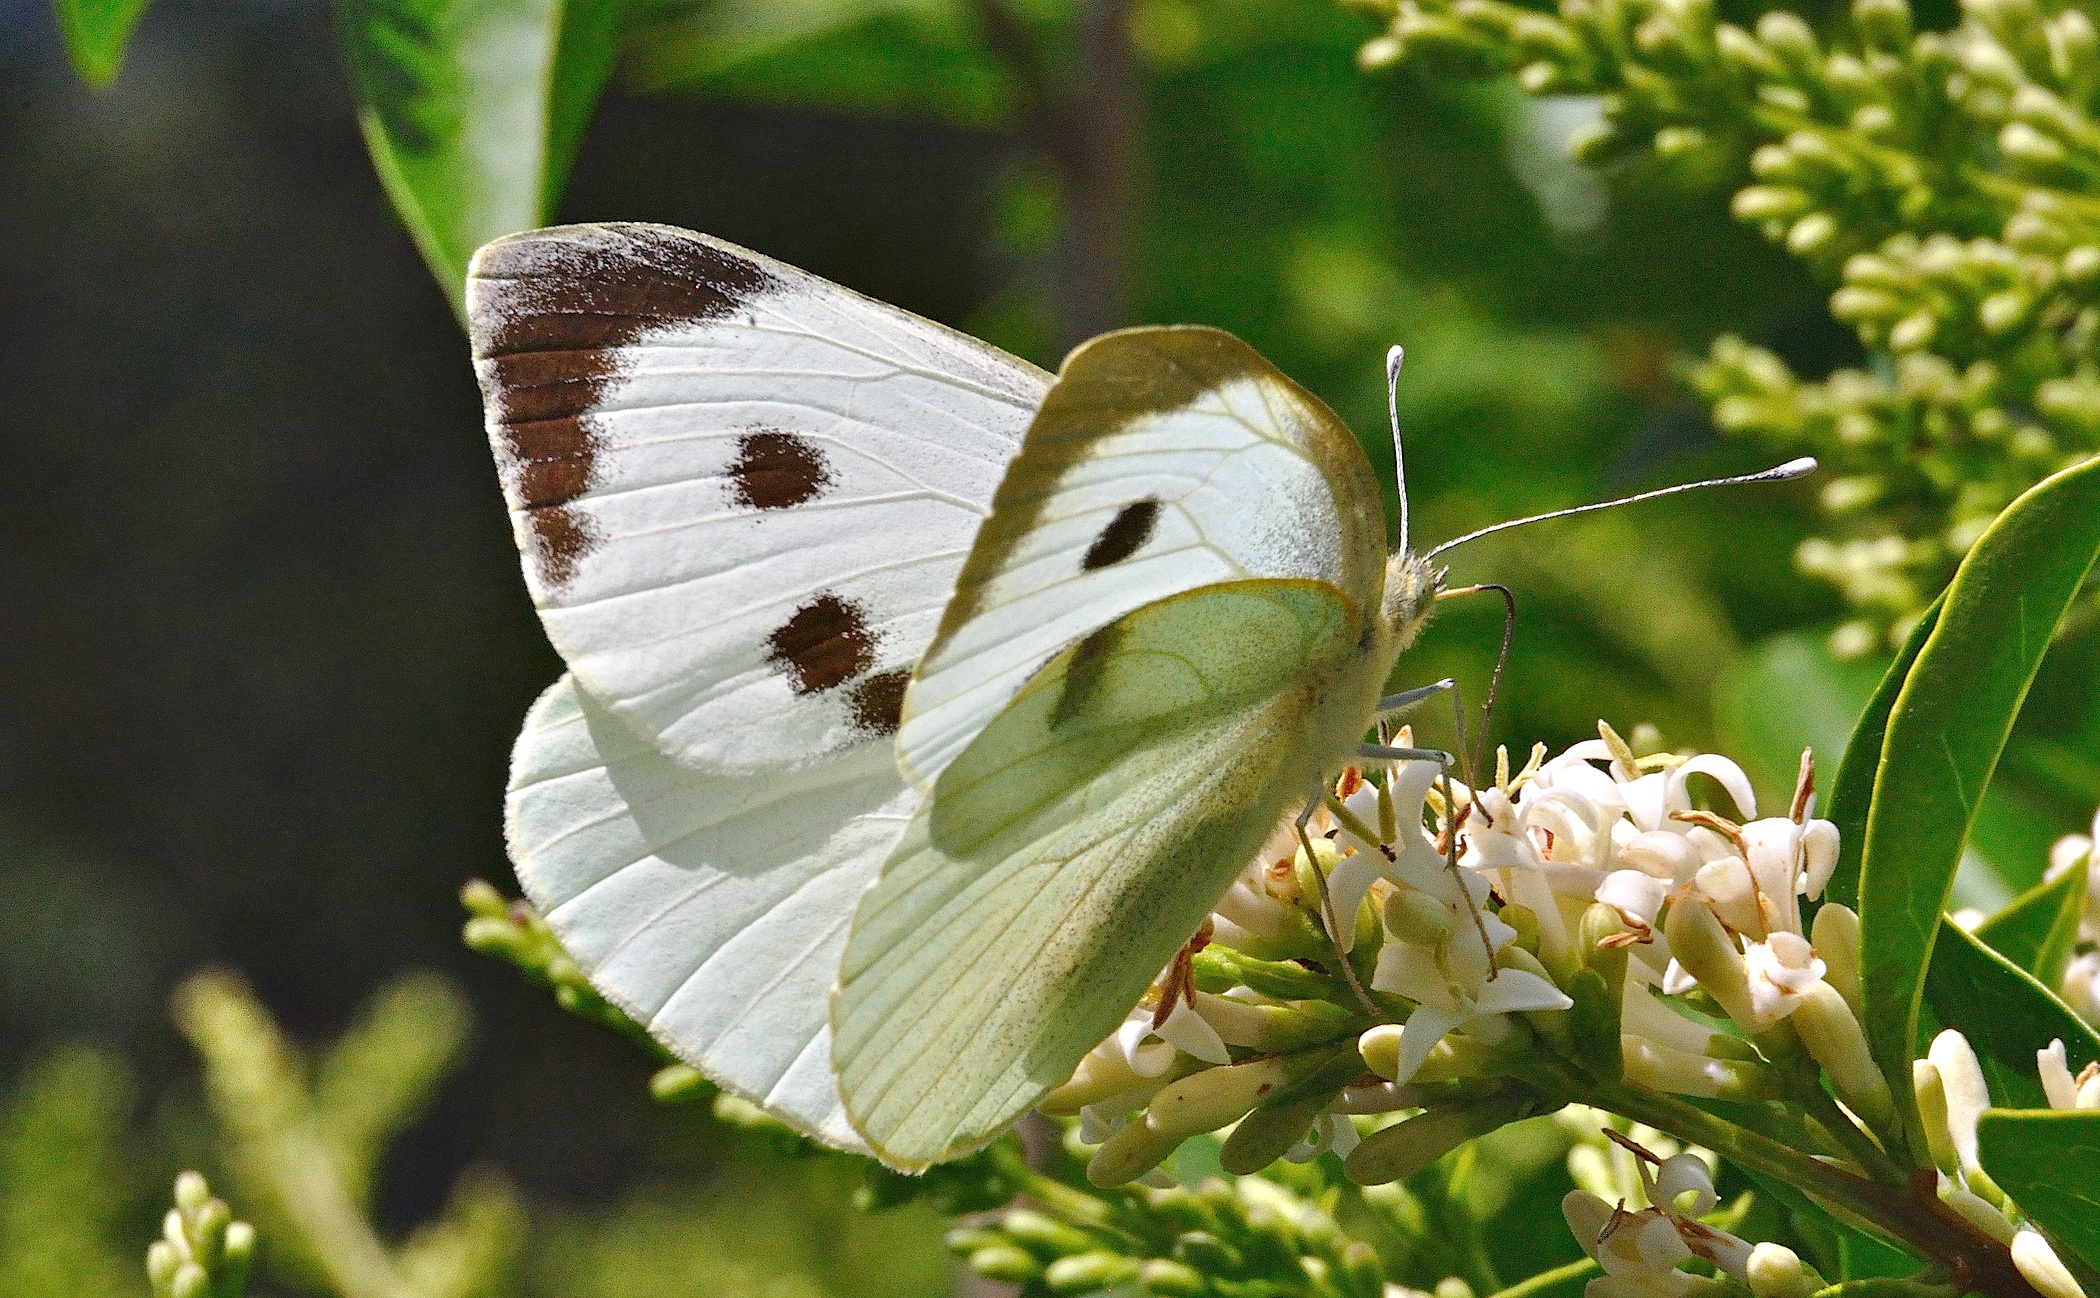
[
  {"x": 878, "y": 702},
  {"x": 825, "y": 644},
  {"x": 1124, "y": 536},
  {"x": 775, "y": 470}
]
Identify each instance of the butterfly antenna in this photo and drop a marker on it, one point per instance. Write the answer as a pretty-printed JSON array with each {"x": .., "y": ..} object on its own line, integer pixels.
[
  {"x": 1393, "y": 358},
  {"x": 1780, "y": 473}
]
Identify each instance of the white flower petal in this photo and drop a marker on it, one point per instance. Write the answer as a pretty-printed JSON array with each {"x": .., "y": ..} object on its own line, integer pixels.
[
  {"x": 1729, "y": 775},
  {"x": 1517, "y": 989},
  {"x": 2057, "y": 1082},
  {"x": 1405, "y": 969},
  {"x": 1419, "y": 1035},
  {"x": 1686, "y": 1174},
  {"x": 1635, "y": 893},
  {"x": 1189, "y": 1032},
  {"x": 1347, "y": 886}
]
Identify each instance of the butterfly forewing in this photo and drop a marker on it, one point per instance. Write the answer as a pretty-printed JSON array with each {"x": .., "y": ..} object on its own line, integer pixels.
[
  {"x": 743, "y": 493},
  {"x": 1064, "y": 857},
  {"x": 710, "y": 907},
  {"x": 1164, "y": 459}
]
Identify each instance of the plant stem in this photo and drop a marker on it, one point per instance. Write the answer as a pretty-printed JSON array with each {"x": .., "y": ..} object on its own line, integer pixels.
[{"x": 1579, "y": 1269}]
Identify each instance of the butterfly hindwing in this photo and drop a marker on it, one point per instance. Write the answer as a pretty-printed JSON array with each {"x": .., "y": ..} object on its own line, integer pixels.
[
  {"x": 710, "y": 907},
  {"x": 1066, "y": 854},
  {"x": 742, "y": 493},
  {"x": 1162, "y": 460}
]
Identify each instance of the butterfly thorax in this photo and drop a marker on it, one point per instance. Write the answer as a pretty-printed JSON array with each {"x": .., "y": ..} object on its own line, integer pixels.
[{"x": 1411, "y": 586}]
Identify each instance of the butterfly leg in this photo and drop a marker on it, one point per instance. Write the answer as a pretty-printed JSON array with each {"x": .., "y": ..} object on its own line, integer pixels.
[
  {"x": 1327, "y": 913},
  {"x": 1386, "y": 753},
  {"x": 1393, "y": 704}
]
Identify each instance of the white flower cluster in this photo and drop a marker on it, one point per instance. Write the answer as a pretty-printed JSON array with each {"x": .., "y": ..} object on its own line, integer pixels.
[
  {"x": 1597, "y": 824},
  {"x": 1640, "y": 1249},
  {"x": 1478, "y": 940},
  {"x": 1952, "y": 1095}
]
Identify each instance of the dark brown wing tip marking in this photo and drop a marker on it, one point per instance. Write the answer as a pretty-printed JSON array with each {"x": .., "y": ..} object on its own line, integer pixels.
[{"x": 549, "y": 313}]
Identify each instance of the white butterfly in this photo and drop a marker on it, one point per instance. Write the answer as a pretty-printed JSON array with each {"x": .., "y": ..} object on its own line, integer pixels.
[{"x": 776, "y": 529}]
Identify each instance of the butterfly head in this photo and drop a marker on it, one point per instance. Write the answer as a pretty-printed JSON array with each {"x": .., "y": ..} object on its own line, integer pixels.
[{"x": 1411, "y": 586}]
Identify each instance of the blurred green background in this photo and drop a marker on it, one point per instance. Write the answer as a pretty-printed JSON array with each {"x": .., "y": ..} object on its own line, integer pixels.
[{"x": 266, "y": 637}]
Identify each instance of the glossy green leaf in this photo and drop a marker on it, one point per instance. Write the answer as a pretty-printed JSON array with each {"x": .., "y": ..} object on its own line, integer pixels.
[
  {"x": 2006, "y": 1015},
  {"x": 473, "y": 110},
  {"x": 2050, "y": 1164},
  {"x": 1852, "y": 791},
  {"x": 1948, "y": 724},
  {"x": 96, "y": 33},
  {"x": 2039, "y": 929}
]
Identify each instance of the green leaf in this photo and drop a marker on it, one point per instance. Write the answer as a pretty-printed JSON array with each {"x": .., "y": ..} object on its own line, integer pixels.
[
  {"x": 95, "y": 33},
  {"x": 900, "y": 57},
  {"x": 1944, "y": 734},
  {"x": 2050, "y": 1164},
  {"x": 1853, "y": 789},
  {"x": 473, "y": 111},
  {"x": 2006, "y": 1015},
  {"x": 2039, "y": 929}
]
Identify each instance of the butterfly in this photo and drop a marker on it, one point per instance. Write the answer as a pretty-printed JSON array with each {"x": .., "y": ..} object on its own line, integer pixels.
[{"x": 919, "y": 703}]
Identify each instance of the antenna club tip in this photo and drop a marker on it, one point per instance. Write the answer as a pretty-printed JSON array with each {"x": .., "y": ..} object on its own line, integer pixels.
[
  {"x": 1393, "y": 356},
  {"x": 1796, "y": 468}
]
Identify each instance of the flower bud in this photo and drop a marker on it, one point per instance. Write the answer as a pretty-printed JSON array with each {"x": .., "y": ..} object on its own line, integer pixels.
[
  {"x": 1931, "y": 1094},
  {"x": 1414, "y": 916},
  {"x": 2038, "y": 1263},
  {"x": 1835, "y": 936},
  {"x": 1090, "y": 1273},
  {"x": 1812, "y": 233},
  {"x": 1776, "y": 1271},
  {"x": 1660, "y": 1067},
  {"x": 1709, "y": 954},
  {"x": 2021, "y": 141},
  {"x": 1045, "y": 1234},
  {"x": 1883, "y": 24},
  {"x": 190, "y": 1282},
  {"x": 163, "y": 1260},
  {"x": 1834, "y": 1038},
  {"x": 2003, "y": 311},
  {"x": 1967, "y": 1094},
  {"x": 1787, "y": 36},
  {"x": 1208, "y": 1100},
  {"x": 1913, "y": 332},
  {"x": 1267, "y": 1134},
  {"x": 1128, "y": 1154},
  {"x": 1976, "y": 1211},
  {"x": 1005, "y": 1262},
  {"x": 1170, "y": 1279},
  {"x": 1397, "y": 1152}
]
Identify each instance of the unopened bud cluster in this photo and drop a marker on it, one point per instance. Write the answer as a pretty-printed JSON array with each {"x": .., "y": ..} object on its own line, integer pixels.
[
  {"x": 1952, "y": 1095},
  {"x": 1389, "y": 989},
  {"x": 1942, "y": 178},
  {"x": 203, "y": 1252},
  {"x": 1246, "y": 1238}
]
